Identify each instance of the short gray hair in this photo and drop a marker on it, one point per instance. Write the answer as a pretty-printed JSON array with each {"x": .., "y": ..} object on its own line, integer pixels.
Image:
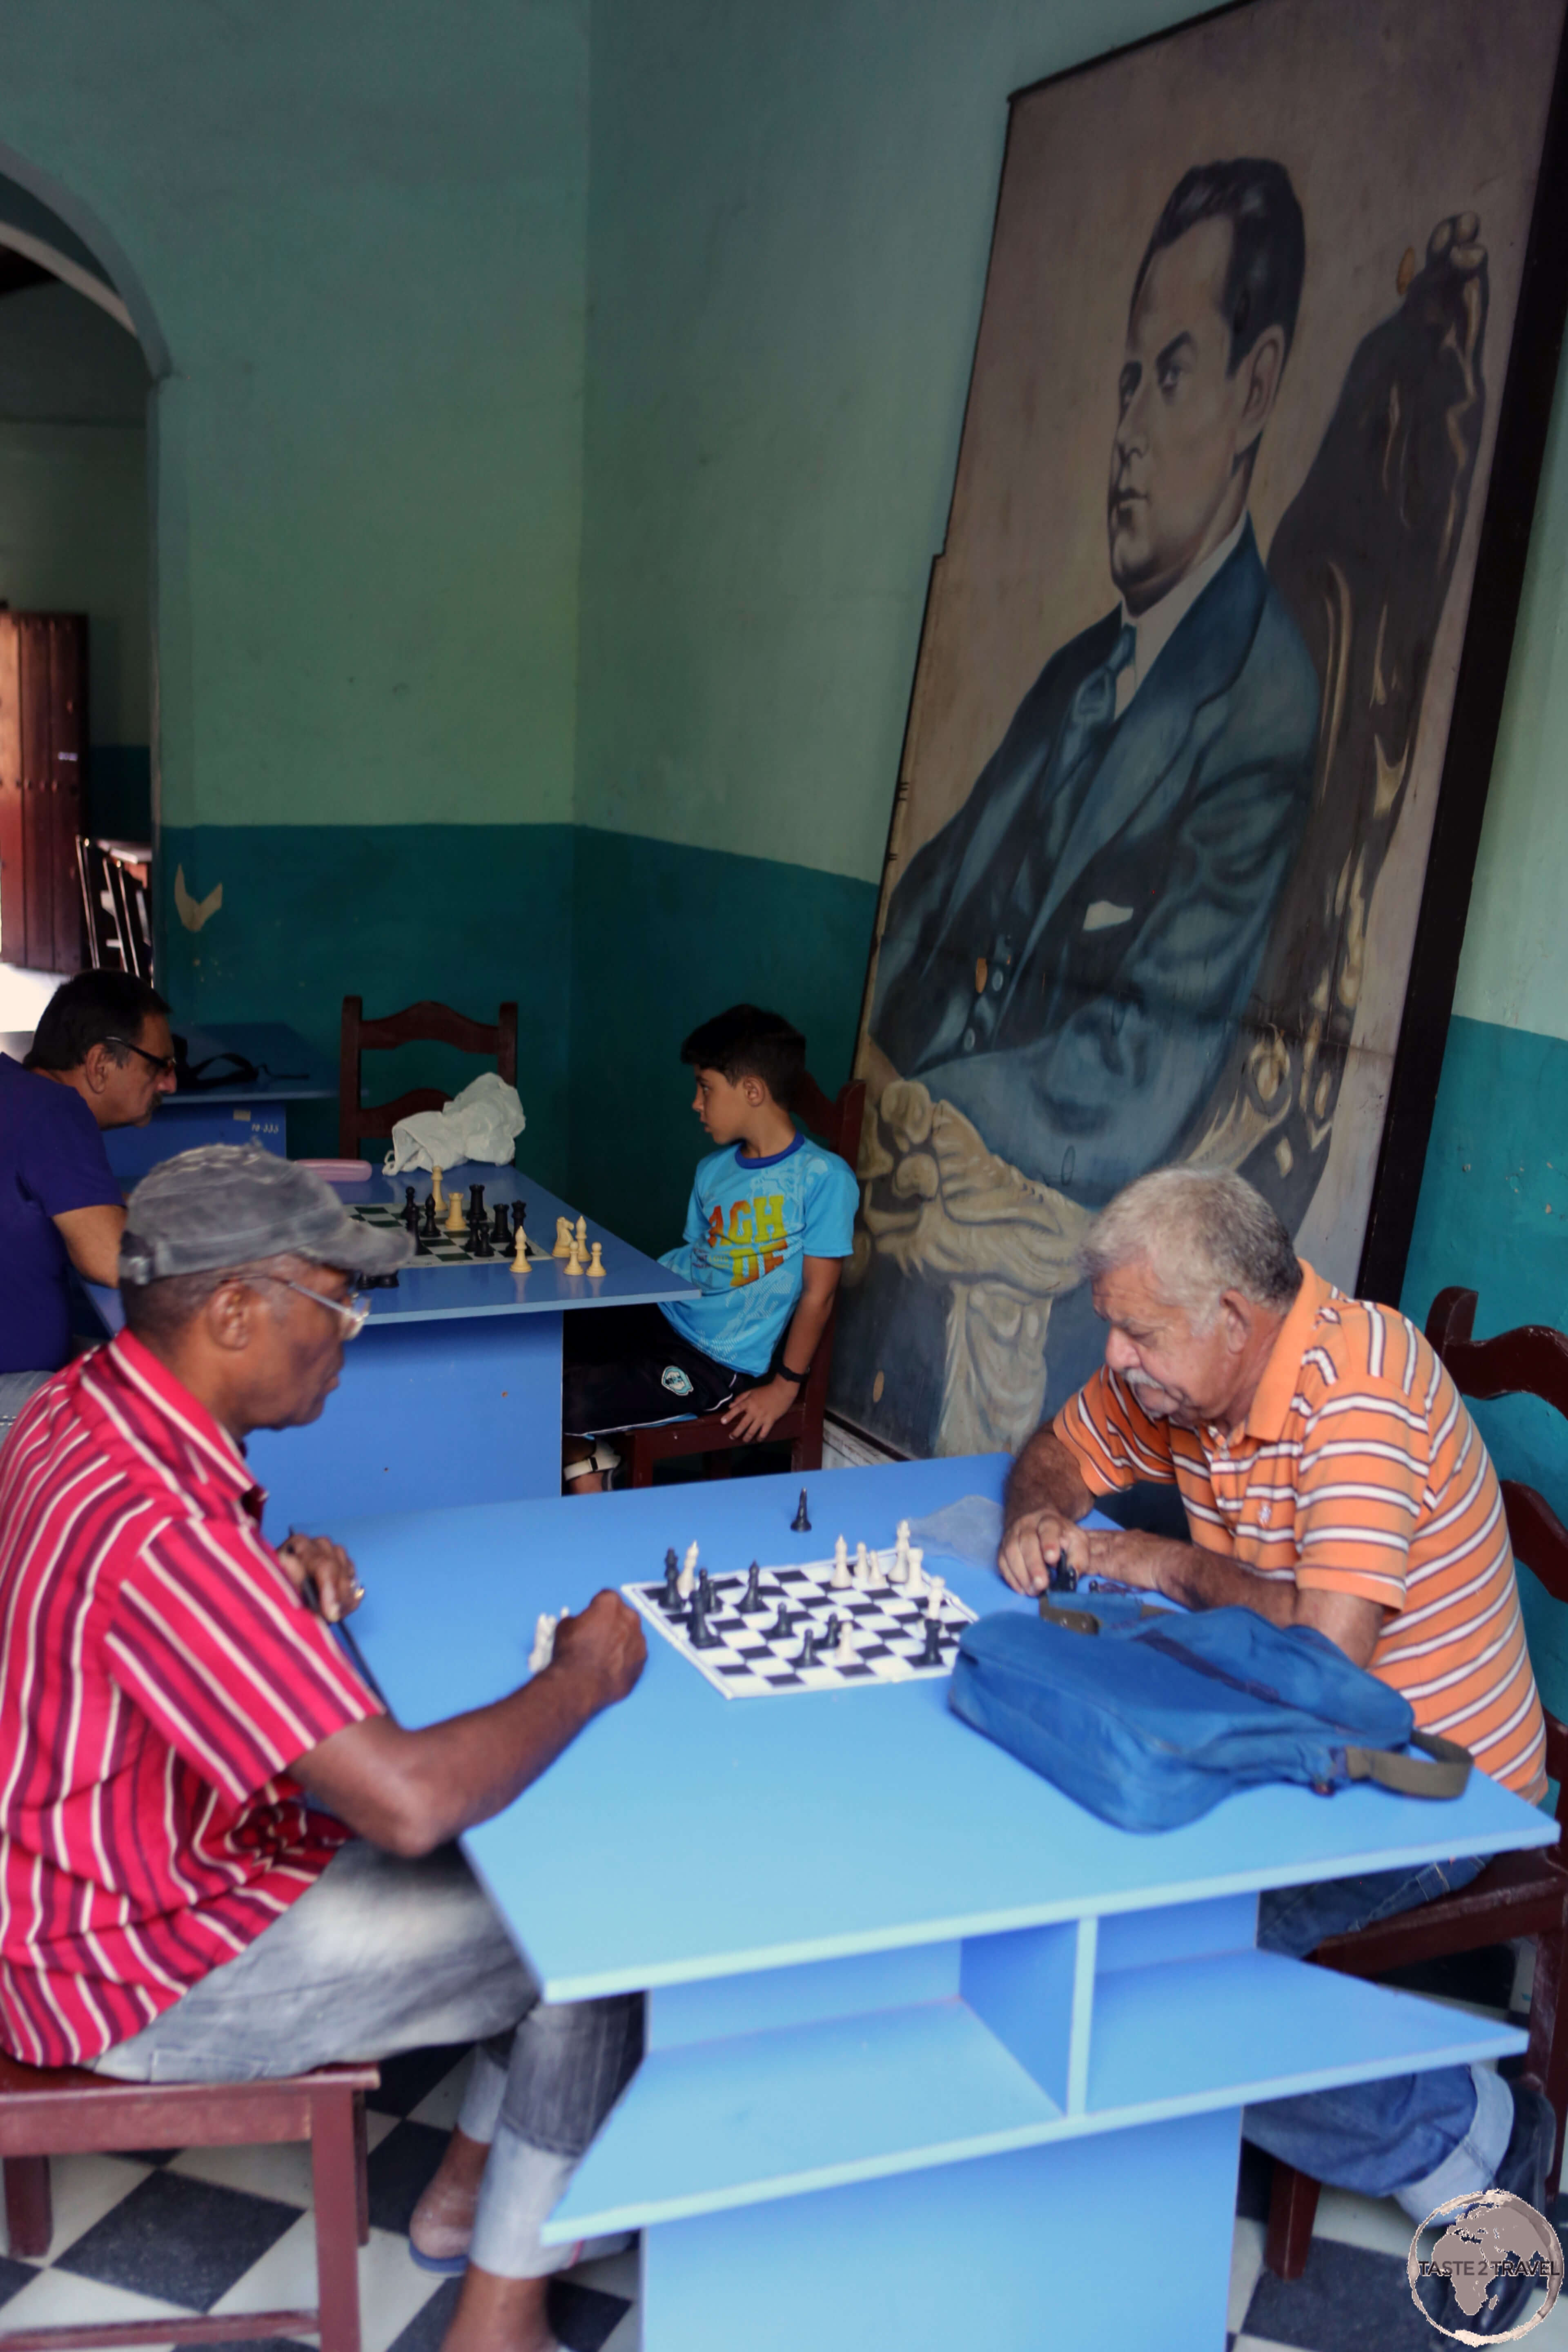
[
  {"x": 1203, "y": 1233},
  {"x": 158, "y": 1311}
]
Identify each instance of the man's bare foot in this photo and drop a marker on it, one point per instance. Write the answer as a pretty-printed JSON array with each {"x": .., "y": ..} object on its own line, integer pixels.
[
  {"x": 500, "y": 2314},
  {"x": 443, "y": 2219}
]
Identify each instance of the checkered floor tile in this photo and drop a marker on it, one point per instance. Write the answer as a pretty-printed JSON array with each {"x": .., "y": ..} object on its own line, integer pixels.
[{"x": 229, "y": 2230}]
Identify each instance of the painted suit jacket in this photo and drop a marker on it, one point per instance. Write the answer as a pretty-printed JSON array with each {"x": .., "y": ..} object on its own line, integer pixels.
[{"x": 1077, "y": 1003}]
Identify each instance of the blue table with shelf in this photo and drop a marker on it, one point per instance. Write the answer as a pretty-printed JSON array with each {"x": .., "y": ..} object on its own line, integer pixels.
[
  {"x": 452, "y": 1392},
  {"x": 934, "y": 2056}
]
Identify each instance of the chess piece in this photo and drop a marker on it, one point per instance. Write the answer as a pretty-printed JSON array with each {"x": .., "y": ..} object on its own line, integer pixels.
[
  {"x": 862, "y": 1568},
  {"x": 831, "y": 1631},
  {"x": 840, "y": 1566},
  {"x": 782, "y": 1626},
  {"x": 900, "y": 1569},
  {"x": 672, "y": 1595},
  {"x": 500, "y": 1227},
  {"x": 916, "y": 1581},
  {"x": 752, "y": 1598},
  {"x": 476, "y": 1206},
  {"x": 931, "y": 1655},
  {"x": 701, "y": 1633},
  {"x": 595, "y": 1259},
  {"x": 411, "y": 1214},
  {"x": 935, "y": 1587},
  {"x": 705, "y": 1590},
  {"x": 800, "y": 1525},
  {"x": 846, "y": 1654},
  {"x": 457, "y": 1225},
  {"x": 574, "y": 1262},
  {"x": 432, "y": 1209},
  {"x": 519, "y": 1256},
  {"x": 582, "y": 1237},
  {"x": 544, "y": 1648},
  {"x": 688, "y": 1573},
  {"x": 562, "y": 1239},
  {"x": 807, "y": 1648},
  {"x": 435, "y": 1192},
  {"x": 480, "y": 1238}
]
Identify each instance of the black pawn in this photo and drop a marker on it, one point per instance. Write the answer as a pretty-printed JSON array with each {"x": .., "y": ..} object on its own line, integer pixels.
[
  {"x": 411, "y": 1214},
  {"x": 705, "y": 1592},
  {"x": 752, "y": 1597},
  {"x": 931, "y": 1655},
  {"x": 697, "y": 1625},
  {"x": 782, "y": 1626},
  {"x": 831, "y": 1631},
  {"x": 671, "y": 1580},
  {"x": 430, "y": 1228},
  {"x": 807, "y": 1648},
  {"x": 801, "y": 1525}
]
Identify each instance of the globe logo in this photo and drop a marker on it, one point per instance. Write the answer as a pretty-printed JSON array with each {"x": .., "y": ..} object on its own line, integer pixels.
[{"x": 1468, "y": 2250}]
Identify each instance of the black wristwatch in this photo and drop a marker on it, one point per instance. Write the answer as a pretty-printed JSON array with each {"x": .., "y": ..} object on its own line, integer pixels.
[{"x": 800, "y": 1378}]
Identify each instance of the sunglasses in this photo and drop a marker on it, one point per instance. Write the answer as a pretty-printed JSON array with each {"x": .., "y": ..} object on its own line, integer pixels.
[{"x": 164, "y": 1062}]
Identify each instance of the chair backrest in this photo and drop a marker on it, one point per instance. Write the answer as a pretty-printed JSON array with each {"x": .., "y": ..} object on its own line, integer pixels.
[
  {"x": 1530, "y": 1360},
  {"x": 836, "y": 1119},
  {"x": 422, "y": 1024}
]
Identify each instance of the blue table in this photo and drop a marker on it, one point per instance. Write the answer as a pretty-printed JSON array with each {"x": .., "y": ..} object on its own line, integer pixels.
[
  {"x": 452, "y": 1392},
  {"x": 935, "y": 2058}
]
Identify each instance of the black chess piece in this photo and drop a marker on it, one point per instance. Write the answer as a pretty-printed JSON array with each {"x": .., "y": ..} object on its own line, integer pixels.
[
  {"x": 782, "y": 1626},
  {"x": 931, "y": 1655},
  {"x": 430, "y": 1228},
  {"x": 807, "y": 1648},
  {"x": 702, "y": 1636},
  {"x": 500, "y": 1236},
  {"x": 831, "y": 1631},
  {"x": 672, "y": 1599},
  {"x": 518, "y": 1219},
  {"x": 411, "y": 1213},
  {"x": 705, "y": 1592},
  {"x": 480, "y": 1238},
  {"x": 752, "y": 1596},
  {"x": 801, "y": 1525},
  {"x": 476, "y": 1206}
]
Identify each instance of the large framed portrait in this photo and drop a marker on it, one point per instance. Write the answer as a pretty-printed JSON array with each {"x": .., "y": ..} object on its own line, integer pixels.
[{"x": 1210, "y": 673}]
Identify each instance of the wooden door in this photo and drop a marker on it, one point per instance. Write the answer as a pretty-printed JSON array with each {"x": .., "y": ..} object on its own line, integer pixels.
[{"x": 43, "y": 749}]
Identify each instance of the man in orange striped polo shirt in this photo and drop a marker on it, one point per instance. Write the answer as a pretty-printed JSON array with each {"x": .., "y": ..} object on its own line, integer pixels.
[{"x": 1332, "y": 1477}]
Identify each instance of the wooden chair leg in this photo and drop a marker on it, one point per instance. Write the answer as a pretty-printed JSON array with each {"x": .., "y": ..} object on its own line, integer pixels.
[
  {"x": 362, "y": 2168},
  {"x": 1546, "y": 2060},
  {"x": 1292, "y": 2206},
  {"x": 29, "y": 2207},
  {"x": 334, "y": 2178}
]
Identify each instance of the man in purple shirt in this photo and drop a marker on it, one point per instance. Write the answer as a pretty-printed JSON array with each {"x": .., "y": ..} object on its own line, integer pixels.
[{"x": 101, "y": 1057}]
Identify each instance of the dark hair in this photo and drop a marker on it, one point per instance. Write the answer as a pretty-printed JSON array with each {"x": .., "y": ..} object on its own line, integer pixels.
[
  {"x": 87, "y": 1012},
  {"x": 747, "y": 1043},
  {"x": 1268, "y": 245},
  {"x": 158, "y": 1311}
]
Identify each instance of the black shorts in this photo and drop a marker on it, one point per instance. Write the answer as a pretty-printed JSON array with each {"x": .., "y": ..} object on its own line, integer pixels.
[{"x": 625, "y": 1366}]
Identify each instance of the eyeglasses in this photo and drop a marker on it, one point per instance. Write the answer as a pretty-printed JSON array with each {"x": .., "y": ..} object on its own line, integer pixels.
[
  {"x": 354, "y": 1310},
  {"x": 164, "y": 1062}
]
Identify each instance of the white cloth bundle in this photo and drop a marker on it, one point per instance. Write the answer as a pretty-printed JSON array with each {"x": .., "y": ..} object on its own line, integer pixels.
[{"x": 482, "y": 1123}]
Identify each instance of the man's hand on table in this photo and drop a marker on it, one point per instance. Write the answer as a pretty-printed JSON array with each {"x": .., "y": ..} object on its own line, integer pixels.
[
  {"x": 604, "y": 1646},
  {"x": 322, "y": 1574},
  {"x": 1039, "y": 1541}
]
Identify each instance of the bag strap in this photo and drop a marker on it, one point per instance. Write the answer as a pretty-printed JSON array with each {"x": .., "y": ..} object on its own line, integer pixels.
[{"x": 1446, "y": 1777}]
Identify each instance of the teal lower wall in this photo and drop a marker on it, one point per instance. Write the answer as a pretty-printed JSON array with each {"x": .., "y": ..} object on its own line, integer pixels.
[
  {"x": 1493, "y": 1217},
  {"x": 663, "y": 937},
  {"x": 469, "y": 914}
]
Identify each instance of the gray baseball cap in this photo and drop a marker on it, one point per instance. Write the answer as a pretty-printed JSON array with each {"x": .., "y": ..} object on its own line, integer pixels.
[{"x": 226, "y": 1204}]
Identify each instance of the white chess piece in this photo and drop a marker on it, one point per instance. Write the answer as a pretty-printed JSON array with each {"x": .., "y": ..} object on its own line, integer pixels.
[
  {"x": 685, "y": 1583},
  {"x": 544, "y": 1648},
  {"x": 862, "y": 1568},
  {"x": 875, "y": 1580},
  {"x": 846, "y": 1654},
  {"x": 900, "y": 1569},
  {"x": 935, "y": 1587},
  {"x": 916, "y": 1556},
  {"x": 840, "y": 1566}
]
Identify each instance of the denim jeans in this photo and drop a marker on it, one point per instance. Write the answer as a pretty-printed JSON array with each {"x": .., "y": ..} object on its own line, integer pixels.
[
  {"x": 383, "y": 1955},
  {"x": 1418, "y": 2137}
]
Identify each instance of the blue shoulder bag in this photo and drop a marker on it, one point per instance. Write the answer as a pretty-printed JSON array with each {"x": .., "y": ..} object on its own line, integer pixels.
[{"x": 1163, "y": 1713}]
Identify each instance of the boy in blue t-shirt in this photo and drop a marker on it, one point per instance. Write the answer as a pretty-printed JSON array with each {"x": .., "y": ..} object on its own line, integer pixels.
[{"x": 769, "y": 1222}]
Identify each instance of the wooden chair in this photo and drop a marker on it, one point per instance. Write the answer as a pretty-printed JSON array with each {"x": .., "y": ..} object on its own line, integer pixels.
[
  {"x": 837, "y": 1119},
  {"x": 422, "y": 1024},
  {"x": 69, "y": 2110},
  {"x": 1518, "y": 1894}
]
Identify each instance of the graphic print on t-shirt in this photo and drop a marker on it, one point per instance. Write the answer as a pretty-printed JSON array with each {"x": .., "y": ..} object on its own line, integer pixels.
[{"x": 749, "y": 1224}]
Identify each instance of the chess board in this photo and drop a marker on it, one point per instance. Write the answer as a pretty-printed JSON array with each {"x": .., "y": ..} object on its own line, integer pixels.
[
  {"x": 748, "y": 1662},
  {"x": 447, "y": 1249}
]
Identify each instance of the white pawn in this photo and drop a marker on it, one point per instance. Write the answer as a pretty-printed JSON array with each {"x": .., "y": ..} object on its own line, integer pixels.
[
  {"x": 874, "y": 1579},
  {"x": 544, "y": 1648},
  {"x": 916, "y": 1556},
  {"x": 846, "y": 1654},
  {"x": 899, "y": 1570},
  {"x": 840, "y": 1566},
  {"x": 685, "y": 1583},
  {"x": 935, "y": 1587},
  {"x": 862, "y": 1568}
]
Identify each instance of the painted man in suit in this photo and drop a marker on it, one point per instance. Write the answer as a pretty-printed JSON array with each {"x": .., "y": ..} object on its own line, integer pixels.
[{"x": 1064, "y": 964}]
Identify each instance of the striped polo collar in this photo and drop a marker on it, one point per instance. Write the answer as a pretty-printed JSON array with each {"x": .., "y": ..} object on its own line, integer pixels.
[
  {"x": 175, "y": 1425},
  {"x": 1271, "y": 1400}
]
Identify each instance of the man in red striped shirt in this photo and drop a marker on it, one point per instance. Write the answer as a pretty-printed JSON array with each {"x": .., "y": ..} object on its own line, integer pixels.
[
  {"x": 1332, "y": 1477},
  {"x": 219, "y": 1858}
]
